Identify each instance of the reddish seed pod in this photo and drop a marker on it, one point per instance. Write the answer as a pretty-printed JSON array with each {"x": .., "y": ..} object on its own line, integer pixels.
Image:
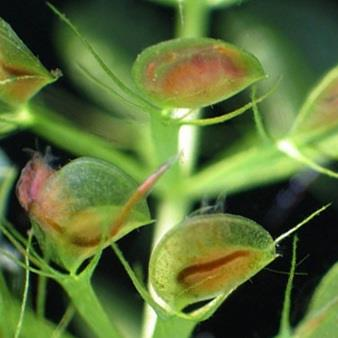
[
  {"x": 206, "y": 256},
  {"x": 193, "y": 73},
  {"x": 82, "y": 206},
  {"x": 21, "y": 73}
]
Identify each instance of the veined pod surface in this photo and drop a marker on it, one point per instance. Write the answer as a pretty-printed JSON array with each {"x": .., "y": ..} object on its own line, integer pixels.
[
  {"x": 79, "y": 207},
  {"x": 194, "y": 72},
  {"x": 206, "y": 256},
  {"x": 21, "y": 73}
]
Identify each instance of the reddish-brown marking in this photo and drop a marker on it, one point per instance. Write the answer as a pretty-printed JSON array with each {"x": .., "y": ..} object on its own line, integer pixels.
[
  {"x": 14, "y": 71},
  {"x": 150, "y": 71},
  {"x": 19, "y": 91},
  {"x": 85, "y": 242},
  {"x": 199, "y": 73},
  {"x": 210, "y": 266},
  {"x": 55, "y": 226}
]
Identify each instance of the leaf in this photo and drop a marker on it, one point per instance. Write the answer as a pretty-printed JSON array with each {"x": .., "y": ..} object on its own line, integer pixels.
[
  {"x": 321, "y": 319},
  {"x": 320, "y": 109},
  {"x": 207, "y": 256},
  {"x": 21, "y": 73},
  {"x": 194, "y": 72}
]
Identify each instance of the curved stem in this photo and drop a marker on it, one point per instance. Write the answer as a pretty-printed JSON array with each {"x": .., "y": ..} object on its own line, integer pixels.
[{"x": 285, "y": 330}]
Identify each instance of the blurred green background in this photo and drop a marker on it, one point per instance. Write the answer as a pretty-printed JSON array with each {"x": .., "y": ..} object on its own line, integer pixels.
[{"x": 293, "y": 39}]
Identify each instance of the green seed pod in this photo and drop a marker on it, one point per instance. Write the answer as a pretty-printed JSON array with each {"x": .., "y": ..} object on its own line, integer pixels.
[
  {"x": 193, "y": 73},
  {"x": 81, "y": 207},
  {"x": 21, "y": 73},
  {"x": 206, "y": 256}
]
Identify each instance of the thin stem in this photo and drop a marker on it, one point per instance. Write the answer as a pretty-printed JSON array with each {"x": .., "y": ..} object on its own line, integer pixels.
[
  {"x": 41, "y": 296},
  {"x": 285, "y": 321},
  {"x": 258, "y": 118},
  {"x": 23, "y": 265},
  {"x": 64, "y": 322},
  {"x": 291, "y": 150},
  {"x": 26, "y": 288},
  {"x": 112, "y": 91},
  {"x": 7, "y": 181},
  {"x": 19, "y": 245},
  {"x": 124, "y": 89},
  {"x": 227, "y": 116},
  {"x": 299, "y": 225},
  {"x": 192, "y": 18}
]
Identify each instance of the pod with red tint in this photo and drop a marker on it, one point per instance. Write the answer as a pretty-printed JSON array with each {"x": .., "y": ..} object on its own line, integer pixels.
[
  {"x": 21, "y": 73},
  {"x": 193, "y": 73},
  {"x": 82, "y": 206},
  {"x": 207, "y": 256}
]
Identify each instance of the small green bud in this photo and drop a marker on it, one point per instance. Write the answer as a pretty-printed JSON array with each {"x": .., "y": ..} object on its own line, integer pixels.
[
  {"x": 193, "y": 73},
  {"x": 81, "y": 207},
  {"x": 21, "y": 73},
  {"x": 206, "y": 256}
]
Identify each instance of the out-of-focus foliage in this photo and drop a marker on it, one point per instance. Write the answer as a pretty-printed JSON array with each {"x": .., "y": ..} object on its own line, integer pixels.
[{"x": 321, "y": 319}]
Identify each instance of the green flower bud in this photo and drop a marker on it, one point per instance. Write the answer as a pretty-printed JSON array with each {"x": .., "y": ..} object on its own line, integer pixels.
[
  {"x": 206, "y": 256},
  {"x": 21, "y": 73},
  {"x": 193, "y": 73},
  {"x": 82, "y": 206}
]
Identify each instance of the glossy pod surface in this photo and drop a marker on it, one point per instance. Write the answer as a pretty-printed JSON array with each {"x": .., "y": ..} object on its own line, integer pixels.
[
  {"x": 208, "y": 255},
  {"x": 193, "y": 73}
]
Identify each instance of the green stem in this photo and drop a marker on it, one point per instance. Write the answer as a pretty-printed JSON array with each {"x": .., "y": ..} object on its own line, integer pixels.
[
  {"x": 88, "y": 306},
  {"x": 174, "y": 327},
  {"x": 67, "y": 136},
  {"x": 172, "y": 208},
  {"x": 285, "y": 330},
  {"x": 193, "y": 18},
  {"x": 41, "y": 296}
]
